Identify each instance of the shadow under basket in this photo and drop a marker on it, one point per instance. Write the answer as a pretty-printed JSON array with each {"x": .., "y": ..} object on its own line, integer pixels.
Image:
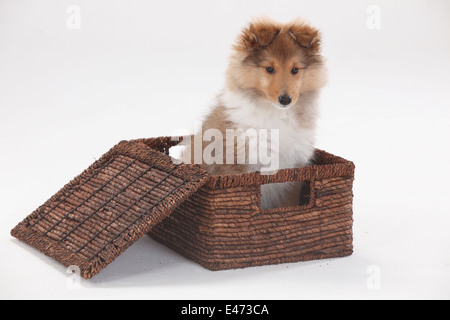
[{"x": 217, "y": 221}]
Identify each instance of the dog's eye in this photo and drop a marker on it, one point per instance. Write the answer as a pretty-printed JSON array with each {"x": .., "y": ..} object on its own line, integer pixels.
[
  {"x": 294, "y": 70},
  {"x": 270, "y": 70}
]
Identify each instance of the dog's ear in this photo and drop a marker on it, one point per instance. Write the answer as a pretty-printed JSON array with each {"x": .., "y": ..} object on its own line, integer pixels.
[
  {"x": 259, "y": 35},
  {"x": 307, "y": 37}
]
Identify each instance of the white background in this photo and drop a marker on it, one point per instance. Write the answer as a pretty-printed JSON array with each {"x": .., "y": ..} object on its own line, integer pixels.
[{"x": 145, "y": 68}]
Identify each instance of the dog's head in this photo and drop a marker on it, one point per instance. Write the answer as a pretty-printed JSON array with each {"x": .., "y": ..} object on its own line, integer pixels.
[{"x": 277, "y": 62}]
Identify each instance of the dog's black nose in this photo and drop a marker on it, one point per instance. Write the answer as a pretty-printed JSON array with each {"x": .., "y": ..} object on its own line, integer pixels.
[{"x": 285, "y": 100}]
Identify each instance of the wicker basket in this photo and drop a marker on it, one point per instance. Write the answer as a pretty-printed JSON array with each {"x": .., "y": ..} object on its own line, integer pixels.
[
  {"x": 221, "y": 226},
  {"x": 135, "y": 188}
]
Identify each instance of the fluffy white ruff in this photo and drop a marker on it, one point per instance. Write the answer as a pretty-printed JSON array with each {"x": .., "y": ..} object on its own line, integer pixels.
[{"x": 296, "y": 141}]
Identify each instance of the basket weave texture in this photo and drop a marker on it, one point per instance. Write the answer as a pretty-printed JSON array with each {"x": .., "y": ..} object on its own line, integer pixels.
[
  {"x": 135, "y": 189},
  {"x": 221, "y": 226},
  {"x": 113, "y": 203}
]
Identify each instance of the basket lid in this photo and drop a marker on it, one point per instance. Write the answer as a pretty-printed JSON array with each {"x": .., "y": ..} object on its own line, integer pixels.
[{"x": 109, "y": 206}]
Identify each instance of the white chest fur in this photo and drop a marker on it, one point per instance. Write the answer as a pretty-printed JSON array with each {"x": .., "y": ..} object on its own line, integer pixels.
[{"x": 295, "y": 145}]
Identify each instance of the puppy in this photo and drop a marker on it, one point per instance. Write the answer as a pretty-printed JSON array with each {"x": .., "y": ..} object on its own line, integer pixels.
[{"x": 273, "y": 80}]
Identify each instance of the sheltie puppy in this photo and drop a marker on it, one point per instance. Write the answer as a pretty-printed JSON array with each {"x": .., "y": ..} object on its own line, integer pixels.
[{"x": 272, "y": 83}]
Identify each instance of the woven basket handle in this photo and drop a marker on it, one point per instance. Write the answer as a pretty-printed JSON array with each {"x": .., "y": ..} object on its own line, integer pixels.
[
  {"x": 306, "y": 174},
  {"x": 289, "y": 175}
]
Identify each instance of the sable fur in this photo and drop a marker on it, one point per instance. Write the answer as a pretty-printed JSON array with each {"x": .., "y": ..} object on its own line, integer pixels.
[{"x": 250, "y": 98}]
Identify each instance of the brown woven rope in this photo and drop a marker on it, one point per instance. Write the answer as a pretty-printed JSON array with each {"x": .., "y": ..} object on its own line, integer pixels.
[
  {"x": 222, "y": 226},
  {"x": 214, "y": 220},
  {"x": 99, "y": 214}
]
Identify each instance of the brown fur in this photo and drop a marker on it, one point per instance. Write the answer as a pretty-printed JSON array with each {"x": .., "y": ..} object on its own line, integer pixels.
[
  {"x": 267, "y": 43},
  {"x": 262, "y": 44},
  {"x": 217, "y": 119}
]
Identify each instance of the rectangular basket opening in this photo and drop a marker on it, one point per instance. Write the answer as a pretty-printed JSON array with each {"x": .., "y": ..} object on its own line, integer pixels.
[{"x": 297, "y": 193}]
